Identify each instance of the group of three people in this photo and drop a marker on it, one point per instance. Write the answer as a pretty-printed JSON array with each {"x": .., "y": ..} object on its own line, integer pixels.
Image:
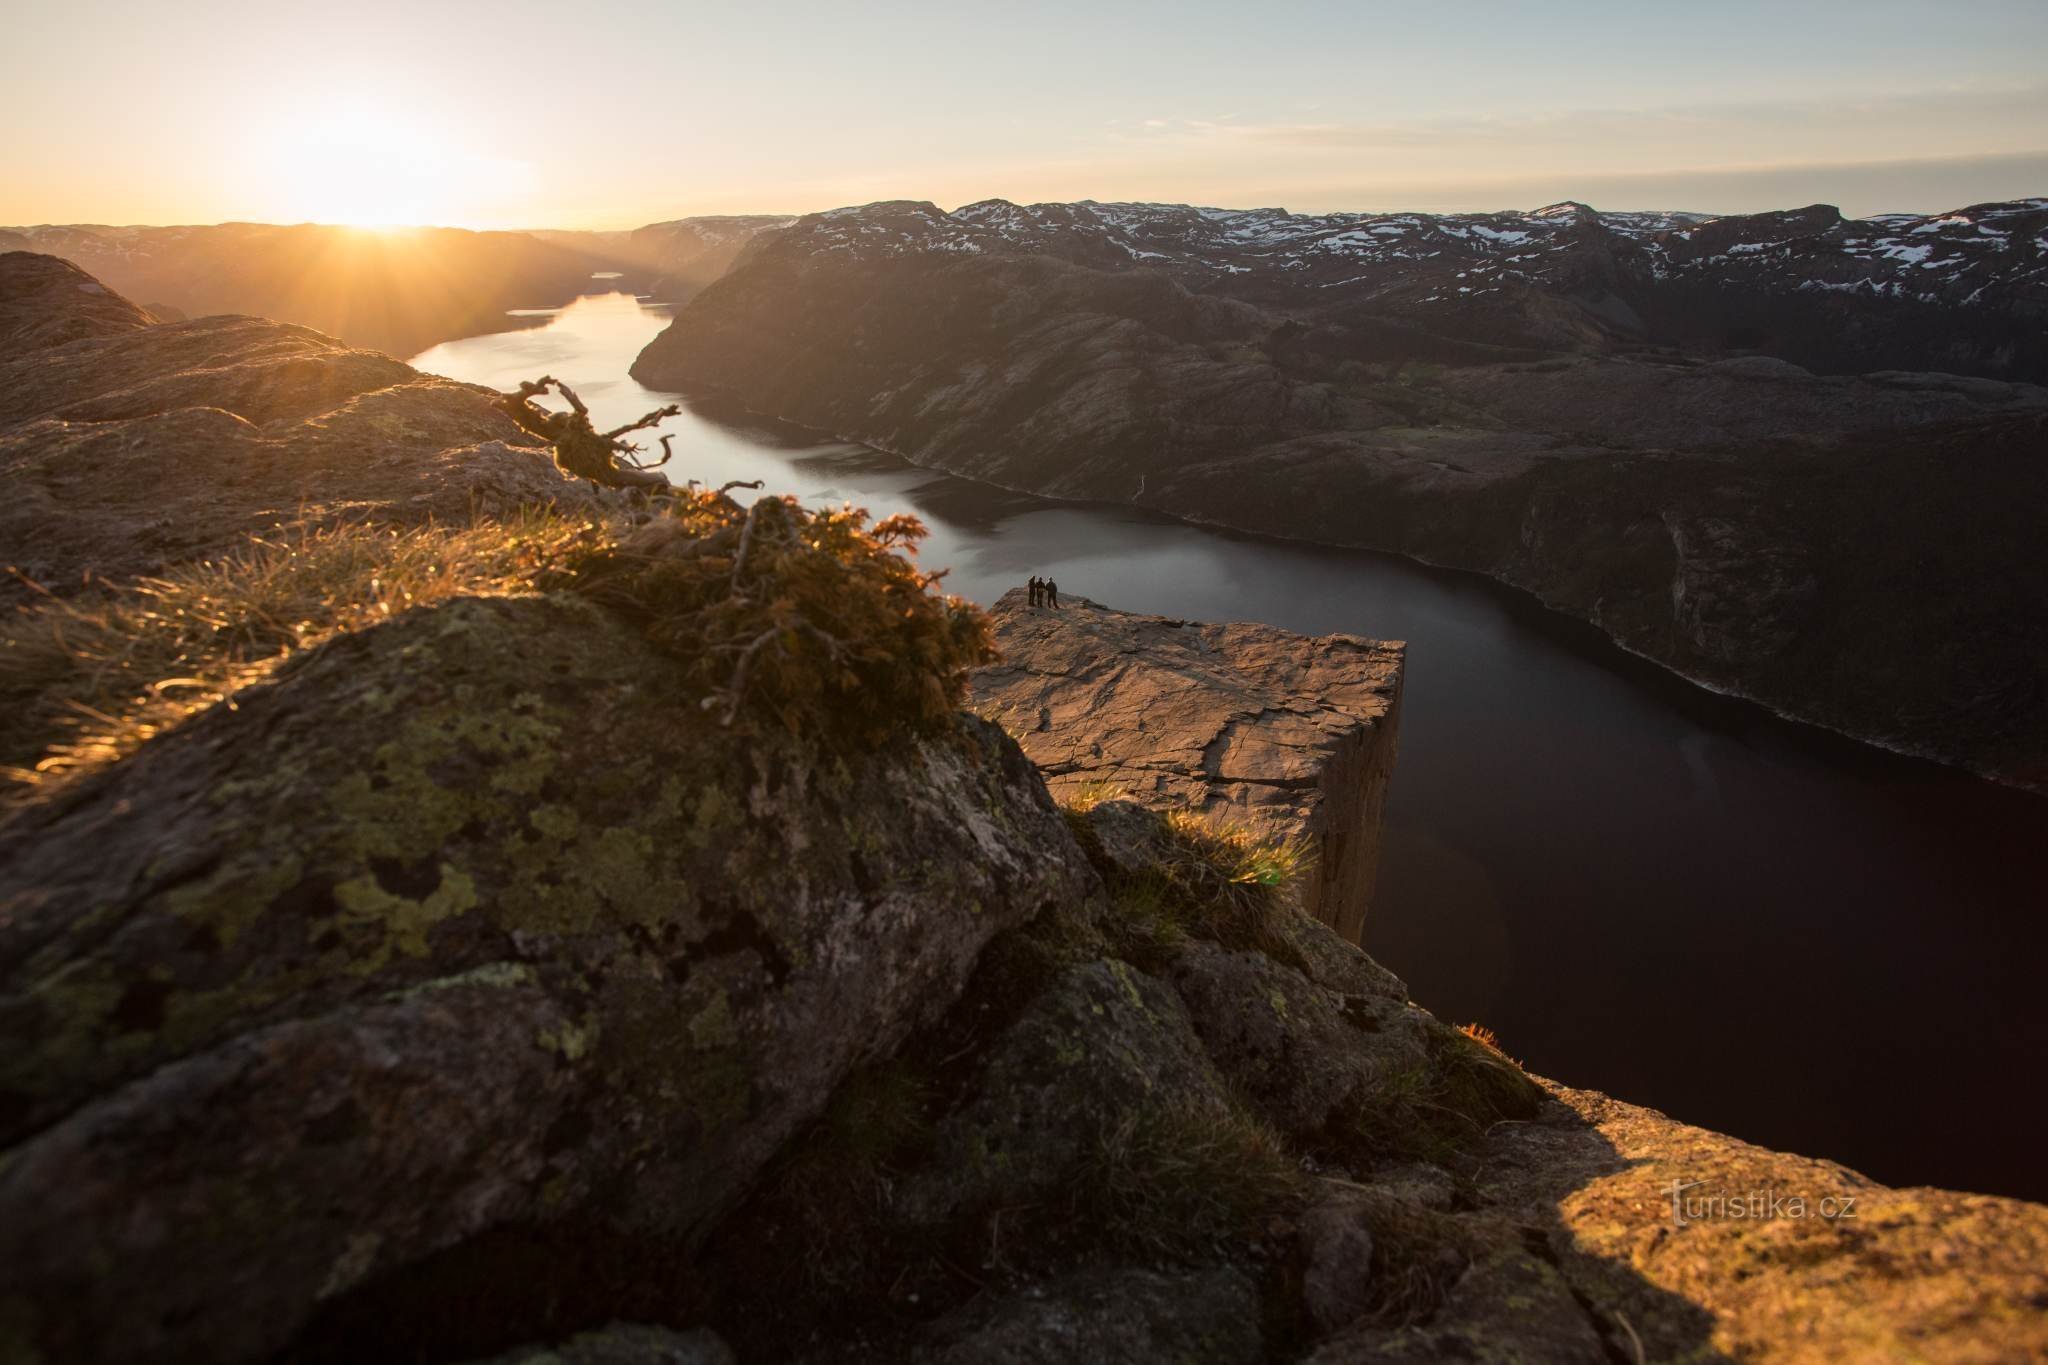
[{"x": 1044, "y": 592}]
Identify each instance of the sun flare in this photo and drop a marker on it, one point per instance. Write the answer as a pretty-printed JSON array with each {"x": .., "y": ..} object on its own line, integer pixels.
[{"x": 369, "y": 165}]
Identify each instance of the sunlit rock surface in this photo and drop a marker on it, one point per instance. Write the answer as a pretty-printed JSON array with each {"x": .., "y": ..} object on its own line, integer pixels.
[{"x": 1291, "y": 735}]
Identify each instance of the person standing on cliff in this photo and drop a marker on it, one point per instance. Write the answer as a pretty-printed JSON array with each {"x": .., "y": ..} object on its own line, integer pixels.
[
  {"x": 1034, "y": 590},
  {"x": 1052, "y": 594}
]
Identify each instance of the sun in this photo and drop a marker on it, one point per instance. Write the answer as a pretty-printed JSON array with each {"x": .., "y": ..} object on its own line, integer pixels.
[{"x": 365, "y": 164}]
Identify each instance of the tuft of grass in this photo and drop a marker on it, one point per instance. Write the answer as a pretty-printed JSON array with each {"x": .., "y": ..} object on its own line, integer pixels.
[
  {"x": 1175, "y": 1181},
  {"x": 1212, "y": 880},
  {"x": 1086, "y": 796},
  {"x": 1439, "y": 1108},
  {"x": 1482, "y": 1035},
  {"x": 816, "y": 617},
  {"x": 86, "y": 680}
]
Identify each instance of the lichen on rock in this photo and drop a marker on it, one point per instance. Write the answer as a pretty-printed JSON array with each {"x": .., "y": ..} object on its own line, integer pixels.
[{"x": 459, "y": 923}]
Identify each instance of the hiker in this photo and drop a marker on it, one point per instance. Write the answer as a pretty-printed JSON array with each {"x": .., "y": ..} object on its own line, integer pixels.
[
  {"x": 1052, "y": 594},
  {"x": 1034, "y": 590}
]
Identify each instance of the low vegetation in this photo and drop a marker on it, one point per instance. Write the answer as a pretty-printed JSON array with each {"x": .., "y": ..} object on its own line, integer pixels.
[
  {"x": 1176, "y": 1182},
  {"x": 85, "y": 680},
  {"x": 817, "y": 617},
  {"x": 1437, "y": 1111},
  {"x": 1203, "y": 878}
]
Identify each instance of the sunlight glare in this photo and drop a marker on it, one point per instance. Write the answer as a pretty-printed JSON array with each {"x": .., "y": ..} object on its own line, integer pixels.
[{"x": 366, "y": 164}]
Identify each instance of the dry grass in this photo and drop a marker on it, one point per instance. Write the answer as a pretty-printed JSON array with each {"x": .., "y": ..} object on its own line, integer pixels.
[
  {"x": 1225, "y": 882},
  {"x": 1481, "y": 1034},
  {"x": 1174, "y": 1182},
  {"x": 1202, "y": 877},
  {"x": 86, "y": 680},
  {"x": 1088, "y": 795}
]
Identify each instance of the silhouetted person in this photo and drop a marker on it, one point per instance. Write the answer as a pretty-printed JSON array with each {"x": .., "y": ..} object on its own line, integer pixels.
[
  {"x": 1052, "y": 593},
  {"x": 1034, "y": 590}
]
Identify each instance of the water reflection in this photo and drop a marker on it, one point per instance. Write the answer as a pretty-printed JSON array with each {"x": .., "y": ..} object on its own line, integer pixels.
[{"x": 1645, "y": 888}]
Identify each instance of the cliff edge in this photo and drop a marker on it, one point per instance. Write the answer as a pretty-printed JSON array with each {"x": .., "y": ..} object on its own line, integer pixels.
[{"x": 1291, "y": 736}]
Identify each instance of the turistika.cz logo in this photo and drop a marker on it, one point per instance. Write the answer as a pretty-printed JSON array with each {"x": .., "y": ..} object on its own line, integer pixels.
[{"x": 1755, "y": 1206}]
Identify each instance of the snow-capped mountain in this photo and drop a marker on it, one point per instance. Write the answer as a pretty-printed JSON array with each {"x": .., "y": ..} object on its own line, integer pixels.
[{"x": 1965, "y": 290}]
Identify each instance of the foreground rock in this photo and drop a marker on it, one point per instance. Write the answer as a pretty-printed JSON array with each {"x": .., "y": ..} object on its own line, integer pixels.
[
  {"x": 1235, "y": 1154},
  {"x": 1294, "y": 737},
  {"x": 462, "y": 925},
  {"x": 1602, "y": 1231},
  {"x": 132, "y": 445},
  {"x": 1855, "y": 549}
]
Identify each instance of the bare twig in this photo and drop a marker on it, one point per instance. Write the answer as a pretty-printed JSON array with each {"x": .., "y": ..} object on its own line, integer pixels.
[{"x": 654, "y": 418}]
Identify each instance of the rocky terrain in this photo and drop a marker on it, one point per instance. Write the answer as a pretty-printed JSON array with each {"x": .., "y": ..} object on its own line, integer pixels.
[
  {"x": 462, "y": 987},
  {"x": 399, "y": 290},
  {"x": 1289, "y": 737},
  {"x": 127, "y": 445},
  {"x": 1788, "y": 455}
]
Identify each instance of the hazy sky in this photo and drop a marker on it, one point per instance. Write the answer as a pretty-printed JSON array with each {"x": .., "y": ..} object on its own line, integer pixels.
[{"x": 610, "y": 113}]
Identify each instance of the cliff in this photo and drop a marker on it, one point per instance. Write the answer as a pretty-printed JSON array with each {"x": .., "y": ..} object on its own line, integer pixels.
[
  {"x": 1291, "y": 737},
  {"x": 598, "y": 939},
  {"x": 1852, "y": 549}
]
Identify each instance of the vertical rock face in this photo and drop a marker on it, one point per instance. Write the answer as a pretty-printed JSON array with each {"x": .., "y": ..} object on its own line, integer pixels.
[{"x": 1291, "y": 735}]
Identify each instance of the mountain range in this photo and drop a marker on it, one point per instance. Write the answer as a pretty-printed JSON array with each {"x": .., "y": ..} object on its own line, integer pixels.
[
  {"x": 1790, "y": 455},
  {"x": 397, "y": 290}
]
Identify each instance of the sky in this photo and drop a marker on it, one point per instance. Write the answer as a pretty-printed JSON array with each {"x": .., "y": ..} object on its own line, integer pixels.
[{"x": 613, "y": 113}]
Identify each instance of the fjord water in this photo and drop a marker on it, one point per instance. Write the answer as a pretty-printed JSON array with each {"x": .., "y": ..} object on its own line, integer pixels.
[{"x": 1643, "y": 888}]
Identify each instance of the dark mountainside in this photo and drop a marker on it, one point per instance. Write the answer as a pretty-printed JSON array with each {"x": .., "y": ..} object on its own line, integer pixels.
[
  {"x": 402, "y": 959},
  {"x": 1788, "y": 455},
  {"x": 399, "y": 290}
]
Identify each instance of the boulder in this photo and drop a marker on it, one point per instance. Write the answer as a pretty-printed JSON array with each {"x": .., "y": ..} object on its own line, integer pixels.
[
  {"x": 1291, "y": 736},
  {"x": 466, "y": 922}
]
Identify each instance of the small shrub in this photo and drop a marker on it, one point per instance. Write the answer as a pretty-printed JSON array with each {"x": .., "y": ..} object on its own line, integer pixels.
[{"x": 818, "y": 618}]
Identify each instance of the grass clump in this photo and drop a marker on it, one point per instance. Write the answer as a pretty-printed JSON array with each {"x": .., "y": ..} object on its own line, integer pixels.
[
  {"x": 86, "y": 680},
  {"x": 1441, "y": 1107},
  {"x": 1175, "y": 1181},
  {"x": 1198, "y": 877},
  {"x": 817, "y": 617}
]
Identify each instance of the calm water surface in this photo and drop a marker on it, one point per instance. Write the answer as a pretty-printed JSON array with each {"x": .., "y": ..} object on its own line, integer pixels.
[{"x": 1645, "y": 889}]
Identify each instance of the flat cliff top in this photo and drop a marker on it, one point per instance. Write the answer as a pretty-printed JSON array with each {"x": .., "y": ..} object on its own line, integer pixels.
[{"x": 1237, "y": 718}]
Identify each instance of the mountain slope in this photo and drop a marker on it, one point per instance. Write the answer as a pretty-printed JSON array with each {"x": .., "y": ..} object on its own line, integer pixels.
[{"x": 1854, "y": 549}]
